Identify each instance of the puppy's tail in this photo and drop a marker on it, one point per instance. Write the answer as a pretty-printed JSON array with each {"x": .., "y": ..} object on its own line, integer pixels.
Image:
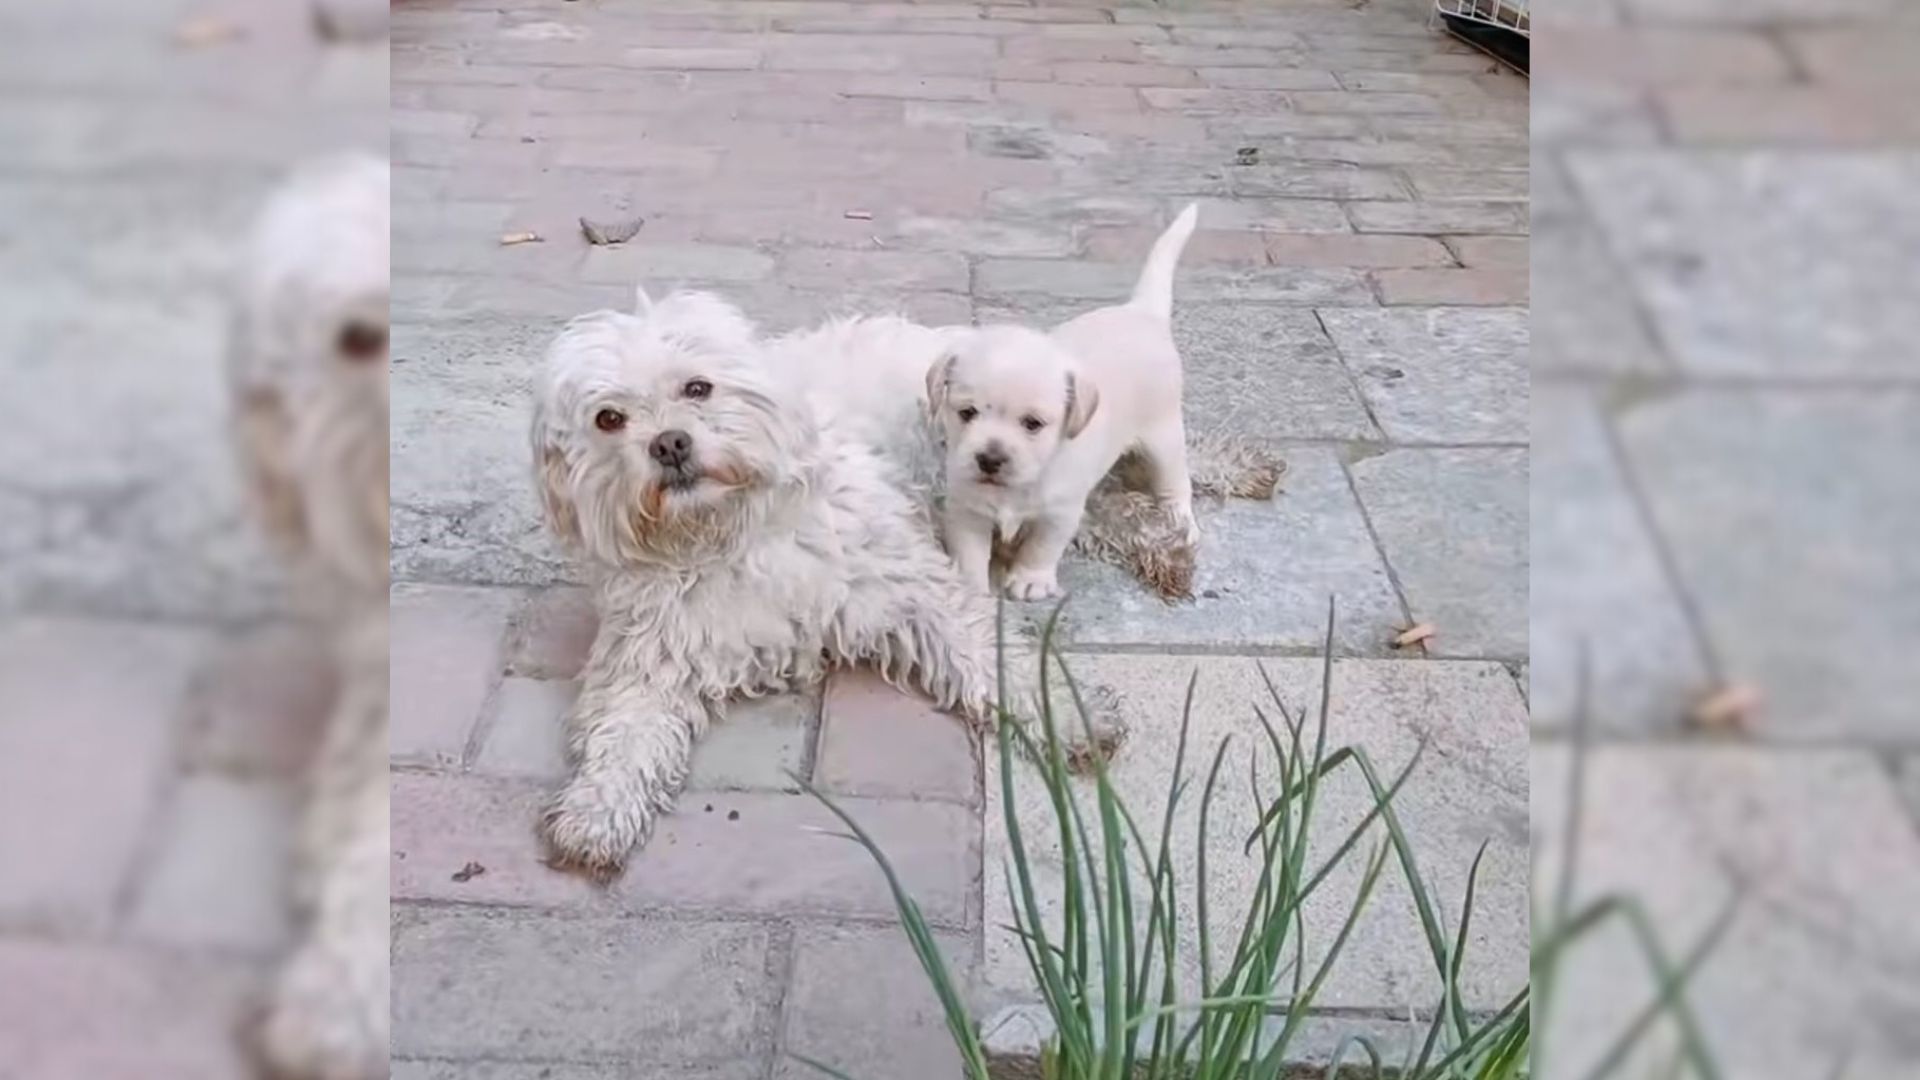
[{"x": 1155, "y": 289}]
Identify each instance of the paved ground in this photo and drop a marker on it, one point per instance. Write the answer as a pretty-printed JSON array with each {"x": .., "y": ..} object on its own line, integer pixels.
[
  {"x": 1726, "y": 400},
  {"x": 156, "y": 702},
  {"x": 1355, "y": 297}
]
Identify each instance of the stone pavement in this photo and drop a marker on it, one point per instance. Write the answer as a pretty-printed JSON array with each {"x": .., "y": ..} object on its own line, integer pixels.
[
  {"x": 1726, "y": 409},
  {"x": 1355, "y": 298},
  {"x": 157, "y": 703}
]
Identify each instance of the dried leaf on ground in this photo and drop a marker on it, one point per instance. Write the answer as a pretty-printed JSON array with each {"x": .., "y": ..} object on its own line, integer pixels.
[
  {"x": 468, "y": 872},
  {"x": 1414, "y": 635},
  {"x": 205, "y": 30},
  {"x": 1728, "y": 709}
]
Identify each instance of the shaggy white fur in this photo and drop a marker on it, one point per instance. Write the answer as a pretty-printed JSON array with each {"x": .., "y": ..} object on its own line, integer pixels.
[
  {"x": 307, "y": 369},
  {"x": 752, "y": 514}
]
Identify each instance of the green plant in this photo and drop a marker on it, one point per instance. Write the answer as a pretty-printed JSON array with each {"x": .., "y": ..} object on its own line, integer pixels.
[{"x": 1108, "y": 978}]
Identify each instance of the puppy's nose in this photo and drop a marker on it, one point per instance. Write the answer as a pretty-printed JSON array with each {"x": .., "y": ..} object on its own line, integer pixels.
[
  {"x": 990, "y": 460},
  {"x": 671, "y": 448}
]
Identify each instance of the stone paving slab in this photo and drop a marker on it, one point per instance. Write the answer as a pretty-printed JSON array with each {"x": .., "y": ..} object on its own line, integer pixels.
[
  {"x": 721, "y": 852},
  {"x": 448, "y": 650},
  {"x": 102, "y": 1010},
  {"x": 219, "y": 874},
  {"x": 1743, "y": 484},
  {"x": 1584, "y": 318},
  {"x": 878, "y": 740},
  {"x": 1598, "y": 589},
  {"x": 259, "y": 707},
  {"x": 1438, "y": 374},
  {"x": 1266, "y": 374},
  {"x": 518, "y": 986},
  {"x": 1453, "y": 526},
  {"x": 860, "y": 1002},
  {"x": 1263, "y": 575},
  {"x": 1711, "y": 242},
  {"x": 70, "y": 730},
  {"x": 468, "y": 1069},
  {"x": 1821, "y": 961},
  {"x": 1471, "y": 787}
]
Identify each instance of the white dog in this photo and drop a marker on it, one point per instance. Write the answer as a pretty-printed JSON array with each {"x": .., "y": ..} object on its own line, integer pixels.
[
  {"x": 1034, "y": 421},
  {"x": 307, "y": 370},
  {"x": 749, "y": 510}
]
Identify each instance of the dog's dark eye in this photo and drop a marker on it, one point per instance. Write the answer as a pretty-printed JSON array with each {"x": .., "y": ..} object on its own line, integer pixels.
[
  {"x": 362, "y": 341},
  {"x": 609, "y": 419},
  {"x": 967, "y": 414},
  {"x": 1033, "y": 423},
  {"x": 697, "y": 389}
]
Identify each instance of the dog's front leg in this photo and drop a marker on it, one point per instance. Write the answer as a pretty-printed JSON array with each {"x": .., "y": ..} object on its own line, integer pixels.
[
  {"x": 330, "y": 1008},
  {"x": 630, "y": 743},
  {"x": 329, "y": 1013}
]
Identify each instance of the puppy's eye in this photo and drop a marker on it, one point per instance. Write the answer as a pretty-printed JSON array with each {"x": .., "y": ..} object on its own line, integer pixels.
[
  {"x": 361, "y": 341},
  {"x": 1032, "y": 424},
  {"x": 609, "y": 419},
  {"x": 697, "y": 389},
  {"x": 967, "y": 414}
]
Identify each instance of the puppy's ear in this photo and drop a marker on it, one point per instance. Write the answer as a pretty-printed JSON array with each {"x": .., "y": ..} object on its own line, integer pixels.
[
  {"x": 939, "y": 379},
  {"x": 1083, "y": 400},
  {"x": 550, "y": 477}
]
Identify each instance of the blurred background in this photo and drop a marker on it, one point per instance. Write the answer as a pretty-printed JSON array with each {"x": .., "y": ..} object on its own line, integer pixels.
[
  {"x": 159, "y": 693},
  {"x": 1726, "y": 429}
]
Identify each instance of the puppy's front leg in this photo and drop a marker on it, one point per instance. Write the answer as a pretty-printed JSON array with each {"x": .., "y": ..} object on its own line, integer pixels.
[
  {"x": 630, "y": 743},
  {"x": 1035, "y": 574},
  {"x": 969, "y": 539}
]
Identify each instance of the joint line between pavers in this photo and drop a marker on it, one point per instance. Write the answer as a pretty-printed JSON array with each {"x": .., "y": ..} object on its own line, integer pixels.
[
  {"x": 1346, "y": 369},
  {"x": 1380, "y": 549},
  {"x": 1282, "y": 652},
  {"x": 481, "y": 727},
  {"x": 1663, "y": 550},
  {"x": 611, "y": 906},
  {"x": 1666, "y": 356},
  {"x": 784, "y": 954}
]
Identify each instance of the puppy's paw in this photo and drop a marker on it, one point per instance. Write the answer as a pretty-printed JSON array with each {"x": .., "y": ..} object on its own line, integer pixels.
[
  {"x": 328, "y": 1017},
  {"x": 1187, "y": 524},
  {"x": 590, "y": 833},
  {"x": 1028, "y": 584}
]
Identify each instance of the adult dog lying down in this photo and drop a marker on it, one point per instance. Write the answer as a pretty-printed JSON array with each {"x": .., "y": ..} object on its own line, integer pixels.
[{"x": 750, "y": 512}]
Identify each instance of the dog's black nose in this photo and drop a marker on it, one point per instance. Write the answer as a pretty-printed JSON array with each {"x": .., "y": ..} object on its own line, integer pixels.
[
  {"x": 990, "y": 461},
  {"x": 671, "y": 448}
]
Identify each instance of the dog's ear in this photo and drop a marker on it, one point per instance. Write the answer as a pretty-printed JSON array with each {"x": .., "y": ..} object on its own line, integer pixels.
[
  {"x": 1083, "y": 400},
  {"x": 939, "y": 379},
  {"x": 550, "y": 476}
]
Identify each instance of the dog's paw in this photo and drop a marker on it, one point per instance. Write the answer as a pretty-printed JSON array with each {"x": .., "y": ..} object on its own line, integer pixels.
[
  {"x": 588, "y": 833},
  {"x": 327, "y": 1020},
  {"x": 1033, "y": 584}
]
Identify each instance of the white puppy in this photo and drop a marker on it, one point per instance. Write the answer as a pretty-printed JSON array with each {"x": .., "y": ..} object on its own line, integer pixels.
[
  {"x": 1033, "y": 422},
  {"x": 747, "y": 528},
  {"x": 307, "y": 370}
]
